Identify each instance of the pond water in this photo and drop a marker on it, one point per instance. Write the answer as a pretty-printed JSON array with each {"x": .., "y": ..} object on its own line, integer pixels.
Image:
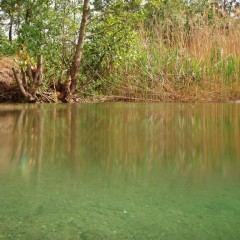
[{"x": 120, "y": 171}]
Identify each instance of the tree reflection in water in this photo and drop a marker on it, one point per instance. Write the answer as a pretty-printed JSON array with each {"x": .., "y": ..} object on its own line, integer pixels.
[{"x": 179, "y": 139}]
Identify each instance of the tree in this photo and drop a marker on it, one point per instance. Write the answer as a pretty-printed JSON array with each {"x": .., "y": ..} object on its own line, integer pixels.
[
  {"x": 49, "y": 28},
  {"x": 110, "y": 30},
  {"x": 71, "y": 82},
  {"x": 11, "y": 8}
]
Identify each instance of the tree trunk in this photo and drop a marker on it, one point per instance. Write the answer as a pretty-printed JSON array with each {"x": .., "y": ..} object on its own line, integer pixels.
[
  {"x": 10, "y": 31},
  {"x": 71, "y": 82},
  {"x": 35, "y": 78}
]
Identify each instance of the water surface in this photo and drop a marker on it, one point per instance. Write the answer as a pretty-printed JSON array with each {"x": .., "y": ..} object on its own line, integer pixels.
[{"x": 120, "y": 171}]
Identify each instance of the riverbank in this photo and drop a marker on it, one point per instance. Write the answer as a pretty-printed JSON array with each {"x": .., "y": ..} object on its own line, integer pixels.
[
  {"x": 165, "y": 52},
  {"x": 127, "y": 89},
  {"x": 8, "y": 87}
]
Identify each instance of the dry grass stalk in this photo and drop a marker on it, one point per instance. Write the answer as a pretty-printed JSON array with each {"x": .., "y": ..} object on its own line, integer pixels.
[{"x": 198, "y": 64}]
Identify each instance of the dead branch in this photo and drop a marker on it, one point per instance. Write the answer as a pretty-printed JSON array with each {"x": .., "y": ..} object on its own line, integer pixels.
[
  {"x": 29, "y": 72},
  {"x": 20, "y": 85},
  {"x": 37, "y": 80},
  {"x": 24, "y": 80}
]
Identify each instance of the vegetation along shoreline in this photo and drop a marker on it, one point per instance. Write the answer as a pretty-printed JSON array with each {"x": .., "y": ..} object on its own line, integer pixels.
[{"x": 134, "y": 51}]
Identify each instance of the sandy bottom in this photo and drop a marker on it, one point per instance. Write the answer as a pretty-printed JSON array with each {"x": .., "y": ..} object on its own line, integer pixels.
[{"x": 97, "y": 205}]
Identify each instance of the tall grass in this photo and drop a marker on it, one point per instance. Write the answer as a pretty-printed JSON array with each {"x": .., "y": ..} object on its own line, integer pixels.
[{"x": 183, "y": 59}]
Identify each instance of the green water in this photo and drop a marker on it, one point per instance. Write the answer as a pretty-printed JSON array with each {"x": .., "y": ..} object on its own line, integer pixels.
[{"x": 120, "y": 171}]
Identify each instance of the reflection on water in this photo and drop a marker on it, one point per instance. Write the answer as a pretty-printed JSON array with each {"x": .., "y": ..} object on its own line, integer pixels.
[{"x": 120, "y": 171}]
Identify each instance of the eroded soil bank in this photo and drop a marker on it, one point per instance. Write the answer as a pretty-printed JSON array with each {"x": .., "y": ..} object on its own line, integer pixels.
[{"x": 8, "y": 88}]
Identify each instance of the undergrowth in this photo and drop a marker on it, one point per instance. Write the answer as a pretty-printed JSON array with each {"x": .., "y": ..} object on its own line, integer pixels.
[{"x": 198, "y": 63}]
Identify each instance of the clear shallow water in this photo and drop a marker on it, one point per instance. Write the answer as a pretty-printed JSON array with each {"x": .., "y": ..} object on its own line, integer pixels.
[{"x": 120, "y": 171}]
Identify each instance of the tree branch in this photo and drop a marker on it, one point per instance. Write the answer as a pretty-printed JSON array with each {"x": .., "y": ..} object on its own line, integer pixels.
[{"x": 20, "y": 85}]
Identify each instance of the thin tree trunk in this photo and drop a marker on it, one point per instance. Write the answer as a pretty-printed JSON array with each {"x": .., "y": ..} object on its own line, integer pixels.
[
  {"x": 71, "y": 86},
  {"x": 10, "y": 31},
  {"x": 64, "y": 36},
  {"x": 37, "y": 80}
]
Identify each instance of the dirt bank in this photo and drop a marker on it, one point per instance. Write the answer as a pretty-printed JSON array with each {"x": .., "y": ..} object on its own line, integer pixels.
[{"x": 8, "y": 88}]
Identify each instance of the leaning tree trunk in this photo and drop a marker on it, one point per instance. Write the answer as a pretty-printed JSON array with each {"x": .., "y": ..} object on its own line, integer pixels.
[
  {"x": 29, "y": 88},
  {"x": 71, "y": 81}
]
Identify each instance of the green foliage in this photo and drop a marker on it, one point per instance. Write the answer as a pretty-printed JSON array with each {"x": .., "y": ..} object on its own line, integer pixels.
[
  {"x": 113, "y": 38},
  {"x": 51, "y": 30},
  {"x": 6, "y": 48}
]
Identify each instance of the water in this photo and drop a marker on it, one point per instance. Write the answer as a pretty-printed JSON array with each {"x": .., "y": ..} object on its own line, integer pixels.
[{"x": 120, "y": 171}]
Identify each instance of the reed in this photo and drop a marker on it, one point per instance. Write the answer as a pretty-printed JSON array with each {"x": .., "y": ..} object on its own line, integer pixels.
[{"x": 197, "y": 61}]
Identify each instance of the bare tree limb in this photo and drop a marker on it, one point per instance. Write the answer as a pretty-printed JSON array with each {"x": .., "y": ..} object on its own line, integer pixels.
[
  {"x": 29, "y": 72},
  {"x": 37, "y": 80},
  {"x": 24, "y": 80},
  {"x": 20, "y": 85},
  {"x": 39, "y": 69}
]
